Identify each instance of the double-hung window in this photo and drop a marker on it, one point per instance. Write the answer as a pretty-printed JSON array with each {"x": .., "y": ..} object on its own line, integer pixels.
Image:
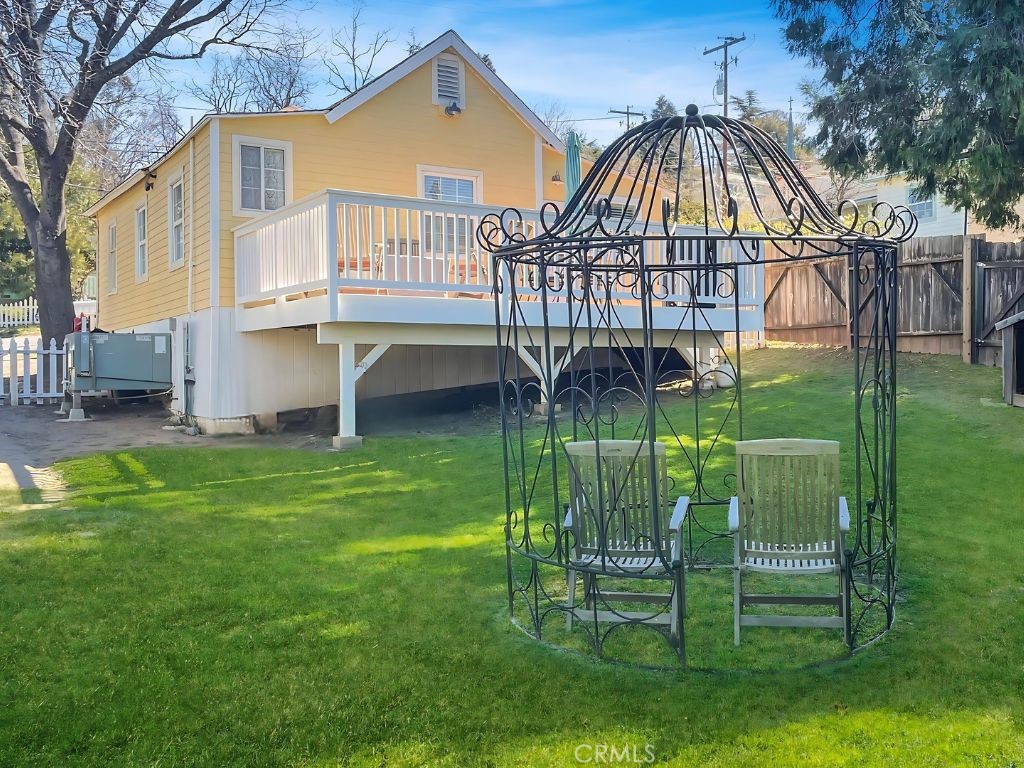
[
  {"x": 176, "y": 223},
  {"x": 921, "y": 205},
  {"x": 449, "y": 233},
  {"x": 450, "y": 189},
  {"x": 141, "y": 243},
  {"x": 617, "y": 210},
  {"x": 112, "y": 258},
  {"x": 262, "y": 171}
]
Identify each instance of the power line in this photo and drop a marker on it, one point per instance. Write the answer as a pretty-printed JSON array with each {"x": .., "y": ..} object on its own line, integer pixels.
[
  {"x": 629, "y": 113},
  {"x": 729, "y": 40}
]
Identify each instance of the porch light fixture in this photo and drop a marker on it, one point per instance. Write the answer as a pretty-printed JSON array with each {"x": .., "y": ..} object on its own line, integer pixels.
[
  {"x": 557, "y": 178},
  {"x": 453, "y": 109}
]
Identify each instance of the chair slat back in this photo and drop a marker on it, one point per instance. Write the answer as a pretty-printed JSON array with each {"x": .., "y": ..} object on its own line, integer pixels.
[
  {"x": 614, "y": 492},
  {"x": 788, "y": 497}
]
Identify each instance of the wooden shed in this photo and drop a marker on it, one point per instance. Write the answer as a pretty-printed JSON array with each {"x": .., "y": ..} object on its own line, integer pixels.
[{"x": 1013, "y": 358}]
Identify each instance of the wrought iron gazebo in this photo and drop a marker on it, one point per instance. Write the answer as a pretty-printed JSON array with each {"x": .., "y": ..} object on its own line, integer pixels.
[{"x": 634, "y": 300}]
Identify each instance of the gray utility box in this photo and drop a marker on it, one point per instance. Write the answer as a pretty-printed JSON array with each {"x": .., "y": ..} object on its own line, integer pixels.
[{"x": 119, "y": 361}]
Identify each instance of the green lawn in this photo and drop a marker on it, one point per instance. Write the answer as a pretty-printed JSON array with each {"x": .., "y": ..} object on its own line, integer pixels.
[
  {"x": 259, "y": 607},
  {"x": 23, "y": 330}
]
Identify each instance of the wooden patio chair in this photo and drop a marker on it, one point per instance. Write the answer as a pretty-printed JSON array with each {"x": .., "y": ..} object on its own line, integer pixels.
[
  {"x": 611, "y": 518},
  {"x": 788, "y": 518}
]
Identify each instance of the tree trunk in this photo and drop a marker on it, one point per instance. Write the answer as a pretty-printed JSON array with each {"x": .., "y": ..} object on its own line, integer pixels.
[
  {"x": 49, "y": 237},
  {"x": 53, "y": 286}
]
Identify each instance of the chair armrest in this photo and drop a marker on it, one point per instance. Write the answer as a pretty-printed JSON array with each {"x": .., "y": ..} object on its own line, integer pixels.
[
  {"x": 679, "y": 513},
  {"x": 567, "y": 523},
  {"x": 734, "y": 513},
  {"x": 844, "y": 515},
  {"x": 682, "y": 509}
]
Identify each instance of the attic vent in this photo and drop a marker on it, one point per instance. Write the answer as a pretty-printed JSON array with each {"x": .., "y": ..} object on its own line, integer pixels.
[{"x": 447, "y": 80}]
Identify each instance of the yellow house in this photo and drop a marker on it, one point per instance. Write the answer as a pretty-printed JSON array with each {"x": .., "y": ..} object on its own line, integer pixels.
[{"x": 306, "y": 258}]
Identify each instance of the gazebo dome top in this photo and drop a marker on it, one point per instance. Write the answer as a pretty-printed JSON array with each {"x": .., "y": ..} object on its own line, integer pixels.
[{"x": 723, "y": 175}]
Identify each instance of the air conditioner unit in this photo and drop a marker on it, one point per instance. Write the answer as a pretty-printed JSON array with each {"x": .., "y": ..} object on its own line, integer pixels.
[{"x": 119, "y": 361}]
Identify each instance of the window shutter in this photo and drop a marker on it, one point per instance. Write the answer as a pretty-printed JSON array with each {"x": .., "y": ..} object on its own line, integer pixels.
[{"x": 448, "y": 85}]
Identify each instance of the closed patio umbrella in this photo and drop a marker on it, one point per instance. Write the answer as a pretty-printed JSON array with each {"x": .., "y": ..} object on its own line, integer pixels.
[{"x": 572, "y": 165}]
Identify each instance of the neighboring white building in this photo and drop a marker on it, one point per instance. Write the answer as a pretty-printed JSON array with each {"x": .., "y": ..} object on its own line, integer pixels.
[{"x": 935, "y": 217}]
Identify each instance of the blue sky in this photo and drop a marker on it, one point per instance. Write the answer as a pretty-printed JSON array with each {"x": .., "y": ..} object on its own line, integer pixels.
[{"x": 597, "y": 54}]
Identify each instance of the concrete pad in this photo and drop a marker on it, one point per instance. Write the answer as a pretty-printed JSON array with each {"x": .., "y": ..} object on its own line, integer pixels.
[{"x": 347, "y": 443}]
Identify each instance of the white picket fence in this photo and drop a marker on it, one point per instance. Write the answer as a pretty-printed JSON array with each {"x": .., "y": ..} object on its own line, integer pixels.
[
  {"x": 19, "y": 313},
  {"x": 30, "y": 372}
]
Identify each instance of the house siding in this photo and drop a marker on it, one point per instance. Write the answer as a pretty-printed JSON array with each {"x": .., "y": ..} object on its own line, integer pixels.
[
  {"x": 378, "y": 146},
  {"x": 164, "y": 293},
  {"x": 946, "y": 221}
]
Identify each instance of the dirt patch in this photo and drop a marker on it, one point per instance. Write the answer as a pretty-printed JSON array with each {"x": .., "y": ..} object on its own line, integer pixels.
[{"x": 34, "y": 436}]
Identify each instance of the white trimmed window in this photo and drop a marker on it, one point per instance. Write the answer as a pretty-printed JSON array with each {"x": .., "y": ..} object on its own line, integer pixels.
[
  {"x": 449, "y": 189},
  {"x": 262, "y": 174},
  {"x": 141, "y": 243},
  {"x": 112, "y": 258},
  {"x": 449, "y": 233},
  {"x": 618, "y": 209},
  {"x": 921, "y": 205},
  {"x": 176, "y": 223},
  {"x": 449, "y": 81}
]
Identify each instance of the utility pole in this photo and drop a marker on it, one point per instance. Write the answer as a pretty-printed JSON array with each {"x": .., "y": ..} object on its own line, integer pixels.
[
  {"x": 728, "y": 40},
  {"x": 789, "y": 133},
  {"x": 629, "y": 113}
]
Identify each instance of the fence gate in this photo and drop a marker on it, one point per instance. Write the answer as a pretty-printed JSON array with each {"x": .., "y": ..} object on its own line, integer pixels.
[{"x": 998, "y": 293}]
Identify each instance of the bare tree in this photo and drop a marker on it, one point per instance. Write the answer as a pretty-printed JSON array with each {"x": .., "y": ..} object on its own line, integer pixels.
[
  {"x": 129, "y": 126},
  {"x": 840, "y": 187},
  {"x": 350, "y": 64},
  {"x": 56, "y": 59},
  {"x": 279, "y": 75},
  {"x": 162, "y": 123},
  {"x": 226, "y": 89},
  {"x": 555, "y": 115},
  {"x": 264, "y": 78},
  {"x": 412, "y": 43}
]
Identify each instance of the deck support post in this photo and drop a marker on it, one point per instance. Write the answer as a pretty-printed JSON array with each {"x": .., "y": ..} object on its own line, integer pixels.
[
  {"x": 347, "y": 376},
  {"x": 540, "y": 368}
]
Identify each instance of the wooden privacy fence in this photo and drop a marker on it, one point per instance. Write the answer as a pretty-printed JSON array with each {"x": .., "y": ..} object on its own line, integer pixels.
[
  {"x": 18, "y": 314},
  {"x": 808, "y": 302},
  {"x": 30, "y": 372}
]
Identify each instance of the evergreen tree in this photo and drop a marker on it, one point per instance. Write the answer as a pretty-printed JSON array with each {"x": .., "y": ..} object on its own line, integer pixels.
[
  {"x": 663, "y": 107},
  {"x": 929, "y": 88},
  {"x": 775, "y": 122}
]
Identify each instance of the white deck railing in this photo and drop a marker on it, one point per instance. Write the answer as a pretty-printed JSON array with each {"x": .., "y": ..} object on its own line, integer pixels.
[{"x": 338, "y": 241}]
